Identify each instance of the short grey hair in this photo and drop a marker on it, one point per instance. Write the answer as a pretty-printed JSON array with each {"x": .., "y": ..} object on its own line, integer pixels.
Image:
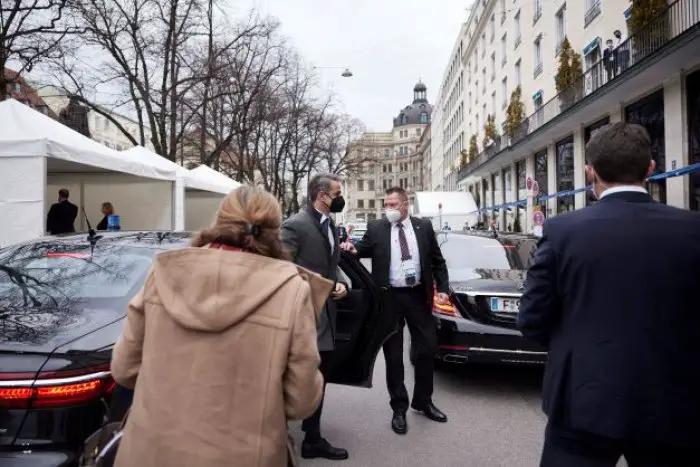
[{"x": 321, "y": 182}]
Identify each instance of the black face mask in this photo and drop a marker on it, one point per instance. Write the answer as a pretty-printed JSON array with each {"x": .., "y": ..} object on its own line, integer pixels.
[{"x": 337, "y": 204}]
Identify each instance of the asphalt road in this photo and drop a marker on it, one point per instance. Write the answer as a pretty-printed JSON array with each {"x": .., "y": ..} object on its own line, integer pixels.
[{"x": 494, "y": 420}]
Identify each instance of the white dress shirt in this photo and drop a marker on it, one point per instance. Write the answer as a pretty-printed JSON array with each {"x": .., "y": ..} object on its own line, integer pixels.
[
  {"x": 623, "y": 189},
  {"x": 331, "y": 239},
  {"x": 397, "y": 276}
]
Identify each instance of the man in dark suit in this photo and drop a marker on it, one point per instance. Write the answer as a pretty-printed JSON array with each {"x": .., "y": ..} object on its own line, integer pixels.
[
  {"x": 613, "y": 294},
  {"x": 406, "y": 262},
  {"x": 62, "y": 215},
  {"x": 311, "y": 238}
]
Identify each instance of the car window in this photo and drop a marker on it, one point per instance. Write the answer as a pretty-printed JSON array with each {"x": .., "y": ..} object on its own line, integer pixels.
[
  {"x": 467, "y": 252},
  {"x": 50, "y": 272}
]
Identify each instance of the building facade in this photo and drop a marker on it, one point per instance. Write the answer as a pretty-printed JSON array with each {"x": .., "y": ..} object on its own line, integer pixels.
[
  {"x": 19, "y": 89},
  {"x": 648, "y": 76},
  {"x": 394, "y": 159}
]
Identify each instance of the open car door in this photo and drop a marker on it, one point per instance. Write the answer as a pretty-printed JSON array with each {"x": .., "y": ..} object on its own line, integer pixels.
[{"x": 361, "y": 326}]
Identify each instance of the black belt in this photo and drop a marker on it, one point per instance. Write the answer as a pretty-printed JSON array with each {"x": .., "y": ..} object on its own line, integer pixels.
[{"x": 407, "y": 289}]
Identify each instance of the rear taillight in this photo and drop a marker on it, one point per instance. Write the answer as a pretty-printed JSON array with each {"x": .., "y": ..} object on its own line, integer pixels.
[
  {"x": 445, "y": 309},
  {"x": 54, "y": 388}
]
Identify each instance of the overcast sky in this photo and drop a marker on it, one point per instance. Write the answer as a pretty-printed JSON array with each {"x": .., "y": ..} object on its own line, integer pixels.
[{"x": 388, "y": 45}]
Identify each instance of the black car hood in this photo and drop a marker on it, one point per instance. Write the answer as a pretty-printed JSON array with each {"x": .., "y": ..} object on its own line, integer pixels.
[
  {"x": 43, "y": 327},
  {"x": 487, "y": 280}
]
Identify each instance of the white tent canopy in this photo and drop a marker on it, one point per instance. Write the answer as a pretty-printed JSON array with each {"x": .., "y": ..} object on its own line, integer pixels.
[
  {"x": 39, "y": 155},
  {"x": 204, "y": 190},
  {"x": 211, "y": 180}
]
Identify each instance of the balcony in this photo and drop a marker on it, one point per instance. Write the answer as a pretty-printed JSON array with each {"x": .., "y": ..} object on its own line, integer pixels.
[
  {"x": 537, "y": 14},
  {"x": 660, "y": 42},
  {"x": 538, "y": 70},
  {"x": 504, "y": 60},
  {"x": 591, "y": 14}
]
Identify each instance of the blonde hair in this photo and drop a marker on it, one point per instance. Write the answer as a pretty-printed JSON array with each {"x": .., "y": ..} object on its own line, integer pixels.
[
  {"x": 108, "y": 206},
  {"x": 248, "y": 218}
]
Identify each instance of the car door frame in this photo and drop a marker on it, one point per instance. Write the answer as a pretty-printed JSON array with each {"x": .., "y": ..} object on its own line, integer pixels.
[{"x": 357, "y": 368}]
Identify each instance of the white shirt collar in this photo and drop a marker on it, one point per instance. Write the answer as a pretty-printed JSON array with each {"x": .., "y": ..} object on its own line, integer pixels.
[
  {"x": 623, "y": 189},
  {"x": 323, "y": 216},
  {"x": 406, "y": 222}
]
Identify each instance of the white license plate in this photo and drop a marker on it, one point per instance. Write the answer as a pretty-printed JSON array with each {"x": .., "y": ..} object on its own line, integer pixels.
[{"x": 505, "y": 305}]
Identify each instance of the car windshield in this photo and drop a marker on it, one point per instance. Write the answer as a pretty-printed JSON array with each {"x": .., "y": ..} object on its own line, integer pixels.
[{"x": 464, "y": 253}]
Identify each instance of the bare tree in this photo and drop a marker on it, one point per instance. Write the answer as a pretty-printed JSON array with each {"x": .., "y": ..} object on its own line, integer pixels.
[
  {"x": 152, "y": 64},
  {"x": 29, "y": 31},
  {"x": 337, "y": 156}
]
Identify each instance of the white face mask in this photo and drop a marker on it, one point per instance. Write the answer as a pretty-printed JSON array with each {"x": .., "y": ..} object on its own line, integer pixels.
[{"x": 393, "y": 215}]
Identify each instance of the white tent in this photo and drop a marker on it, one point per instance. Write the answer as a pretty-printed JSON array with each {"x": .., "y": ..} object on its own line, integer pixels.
[
  {"x": 39, "y": 155},
  {"x": 201, "y": 200},
  {"x": 197, "y": 192}
]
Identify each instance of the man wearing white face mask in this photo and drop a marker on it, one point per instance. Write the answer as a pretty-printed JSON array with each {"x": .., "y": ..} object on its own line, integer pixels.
[{"x": 406, "y": 264}]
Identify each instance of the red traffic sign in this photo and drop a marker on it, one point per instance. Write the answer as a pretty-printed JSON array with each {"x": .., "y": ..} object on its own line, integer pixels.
[
  {"x": 528, "y": 183},
  {"x": 538, "y": 218}
]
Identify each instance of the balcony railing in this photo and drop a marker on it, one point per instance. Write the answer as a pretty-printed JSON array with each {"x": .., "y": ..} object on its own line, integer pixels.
[
  {"x": 591, "y": 14},
  {"x": 680, "y": 17},
  {"x": 538, "y": 69},
  {"x": 537, "y": 14}
]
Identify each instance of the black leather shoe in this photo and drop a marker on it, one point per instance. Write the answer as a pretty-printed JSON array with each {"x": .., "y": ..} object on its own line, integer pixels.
[
  {"x": 430, "y": 411},
  {"x": 322, "y": 449},
  {"x": 398, "y": 423}
]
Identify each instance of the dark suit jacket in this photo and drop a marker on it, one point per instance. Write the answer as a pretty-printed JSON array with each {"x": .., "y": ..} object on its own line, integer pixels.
[
  {"x": 376, "y": 244},
  {"x": 613, "y": 294},
  {"x": 61, "y": 218},
  {"x": 305, "y": 240}
]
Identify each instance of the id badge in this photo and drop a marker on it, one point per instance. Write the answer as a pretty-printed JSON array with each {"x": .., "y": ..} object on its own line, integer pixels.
[{"x": 409, "y": 269}]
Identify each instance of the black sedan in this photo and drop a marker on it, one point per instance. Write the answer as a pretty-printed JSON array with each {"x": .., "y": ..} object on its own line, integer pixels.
[
  {"x": 62, "y": 304},
  {"x": 487, "y": 273}
]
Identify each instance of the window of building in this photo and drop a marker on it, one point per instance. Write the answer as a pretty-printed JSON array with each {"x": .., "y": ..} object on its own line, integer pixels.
[
  {"x": 504, "y": 93},
  {"x": 360, "y": 204},
  {"x": 518, "y": 72},
  {"x": 492, "y": 27},
  {"x": 493, "y": 67},
  {"x": 483, "y": 74},
  {"x": 538, "y": 56},
  {"x": 483, "y": 45},
  {"x": 360, "y": 185},
  {"x": 560, "y": 27},
  {"x": 649, "y": 112},
  {"x": 424, "y": 117},
  {"x": 503, "y": 11},
  {"x": 693, "y": 106},
  {"x": 504, "y": 49},
  {"x": 539, "y": 109},
  {"x": 372, "y": 204},
  {"x": 537, "y": 11},
  {"x": 387, "y": 153},
  {"x": 418, "y": 132},
  {"x": 541, "y": 178},
  {"x": 518, "y": 29},
  {"x": 370, "y": 185},
  {"x": 493, "y": 103},
  {"x": 565, "y": 174}
]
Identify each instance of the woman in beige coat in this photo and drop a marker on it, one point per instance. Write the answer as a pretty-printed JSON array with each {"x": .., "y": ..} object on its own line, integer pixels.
[{"x": 220, "y": 346}]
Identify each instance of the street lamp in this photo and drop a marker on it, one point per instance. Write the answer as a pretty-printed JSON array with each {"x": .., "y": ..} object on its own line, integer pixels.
[{"x": 345, "y": 74}]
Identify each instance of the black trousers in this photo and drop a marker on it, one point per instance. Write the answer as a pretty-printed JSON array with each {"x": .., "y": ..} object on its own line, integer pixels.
[
  {"x": 411, "y": 308},
  {"x": 565, "y": 447},
  {"x": 312, "y": 425}
]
